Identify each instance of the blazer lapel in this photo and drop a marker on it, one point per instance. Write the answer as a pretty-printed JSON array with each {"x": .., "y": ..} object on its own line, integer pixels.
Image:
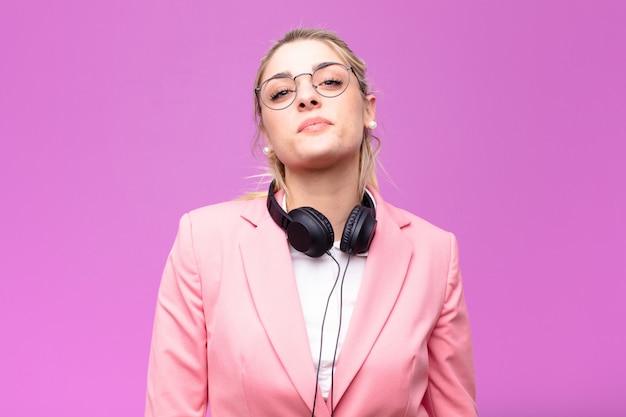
[
  {"x": 385, "y": 271},
  {"x": 269, "y": 271}
]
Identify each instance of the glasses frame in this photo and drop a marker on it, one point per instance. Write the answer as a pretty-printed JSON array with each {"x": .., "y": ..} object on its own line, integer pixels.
[{"x": 258, "y": 89}]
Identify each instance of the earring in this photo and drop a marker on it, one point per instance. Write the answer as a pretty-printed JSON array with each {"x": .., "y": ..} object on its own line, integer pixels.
[
  {"x": 372, "y": 125},
  {"x": 267, "y": 150}
]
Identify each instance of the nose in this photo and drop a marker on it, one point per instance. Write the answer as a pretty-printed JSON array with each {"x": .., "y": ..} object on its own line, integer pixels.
[{"x": 307, "y": 96}]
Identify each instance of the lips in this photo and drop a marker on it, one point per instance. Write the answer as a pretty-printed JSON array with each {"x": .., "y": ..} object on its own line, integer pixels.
[{"x": 314, "y": 124}]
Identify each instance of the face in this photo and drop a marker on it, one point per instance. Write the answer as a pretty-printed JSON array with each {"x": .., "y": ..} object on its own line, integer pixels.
[{"x": 315, "y": 132}]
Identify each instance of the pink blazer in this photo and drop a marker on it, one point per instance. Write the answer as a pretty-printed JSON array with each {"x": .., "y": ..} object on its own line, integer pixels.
[{"x": 229, "y": 332}]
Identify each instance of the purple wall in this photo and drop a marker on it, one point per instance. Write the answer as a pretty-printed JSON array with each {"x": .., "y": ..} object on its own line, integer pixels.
[{"x": 501, "y": 121}]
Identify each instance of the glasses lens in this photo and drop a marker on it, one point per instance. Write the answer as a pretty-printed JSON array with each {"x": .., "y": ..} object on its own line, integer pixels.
[
  {"x": 331, "y": 80},
  {"x": 278, "y": 93}
]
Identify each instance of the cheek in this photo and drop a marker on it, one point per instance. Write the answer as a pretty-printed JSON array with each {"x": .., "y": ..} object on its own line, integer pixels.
[
  {"x": 356, "y": 123},
  {"x": 269, "y": 127}
]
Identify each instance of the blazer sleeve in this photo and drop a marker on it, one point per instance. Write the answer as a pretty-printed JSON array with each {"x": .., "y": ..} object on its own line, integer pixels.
[
  {"x": 177, "y": 369},
  {"x": 451, "y": 387}
]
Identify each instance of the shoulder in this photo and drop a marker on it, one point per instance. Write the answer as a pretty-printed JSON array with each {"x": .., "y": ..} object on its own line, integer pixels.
[
  {"x": 226, "y": 209},
  {"x": 225, "y": 217},
  {"x": 410, "y": 224},
  {"x": 431, "y": 242},
  {"x": 415, "y": 222}
]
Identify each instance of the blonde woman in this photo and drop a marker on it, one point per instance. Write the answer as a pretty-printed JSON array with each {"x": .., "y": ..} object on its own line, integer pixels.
[{"x": 319, "y": 299}]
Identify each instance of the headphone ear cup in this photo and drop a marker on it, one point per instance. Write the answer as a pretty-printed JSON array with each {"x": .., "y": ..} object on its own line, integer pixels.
[
  {"x": 310, "y": 231},
  {"x": 359, "y": 231}
]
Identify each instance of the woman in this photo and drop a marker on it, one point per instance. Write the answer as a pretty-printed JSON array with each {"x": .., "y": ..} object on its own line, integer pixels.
[{"x": 268, "y": 307}]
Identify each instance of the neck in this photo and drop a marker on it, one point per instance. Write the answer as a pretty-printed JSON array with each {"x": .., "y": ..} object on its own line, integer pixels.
[{"x": 334, "y": 195}]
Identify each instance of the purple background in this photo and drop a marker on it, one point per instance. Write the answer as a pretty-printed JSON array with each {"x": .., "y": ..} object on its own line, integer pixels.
[{"x": 501, "y": 121}]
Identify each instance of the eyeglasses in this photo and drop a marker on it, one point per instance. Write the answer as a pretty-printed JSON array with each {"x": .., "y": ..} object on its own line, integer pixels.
[{"x": 329, "y": 80}]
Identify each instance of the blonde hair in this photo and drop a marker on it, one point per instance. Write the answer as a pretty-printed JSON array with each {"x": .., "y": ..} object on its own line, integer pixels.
[{"x": 367, "y": 174}]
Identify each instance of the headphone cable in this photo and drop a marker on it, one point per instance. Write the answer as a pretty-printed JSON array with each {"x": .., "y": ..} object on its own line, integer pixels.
[
  {"x": 332, "y": 369},
  {"x": 319, "y": 360}
]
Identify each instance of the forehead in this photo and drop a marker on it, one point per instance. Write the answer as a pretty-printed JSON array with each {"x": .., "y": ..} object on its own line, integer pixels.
[{"x": 300, "y": 56}]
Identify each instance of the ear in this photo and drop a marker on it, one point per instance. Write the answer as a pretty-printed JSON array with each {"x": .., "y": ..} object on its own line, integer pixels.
[{"x": 369, "y": 111}]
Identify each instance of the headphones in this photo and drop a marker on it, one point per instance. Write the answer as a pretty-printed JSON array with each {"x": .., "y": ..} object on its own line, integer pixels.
[{"x": 311, "y": 233}]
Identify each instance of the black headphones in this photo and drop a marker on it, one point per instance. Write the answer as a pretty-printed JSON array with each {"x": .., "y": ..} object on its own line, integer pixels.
[{"x": 310, "y": 232}]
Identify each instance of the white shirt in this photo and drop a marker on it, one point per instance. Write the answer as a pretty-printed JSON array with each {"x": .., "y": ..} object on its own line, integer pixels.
[{"x": 315, "y": 278}]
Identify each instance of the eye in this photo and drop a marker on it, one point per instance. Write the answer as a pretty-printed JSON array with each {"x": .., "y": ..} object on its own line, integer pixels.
[
  {"x": 331, "y": 84},
  {"x": 331, "y": 78},
  {"x": 278, "y": 90},
  {"x": 280, "y": 94}
]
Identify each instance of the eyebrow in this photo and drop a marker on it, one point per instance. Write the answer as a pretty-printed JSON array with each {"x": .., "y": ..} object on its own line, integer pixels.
[{"x": 288, "y": 74}]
